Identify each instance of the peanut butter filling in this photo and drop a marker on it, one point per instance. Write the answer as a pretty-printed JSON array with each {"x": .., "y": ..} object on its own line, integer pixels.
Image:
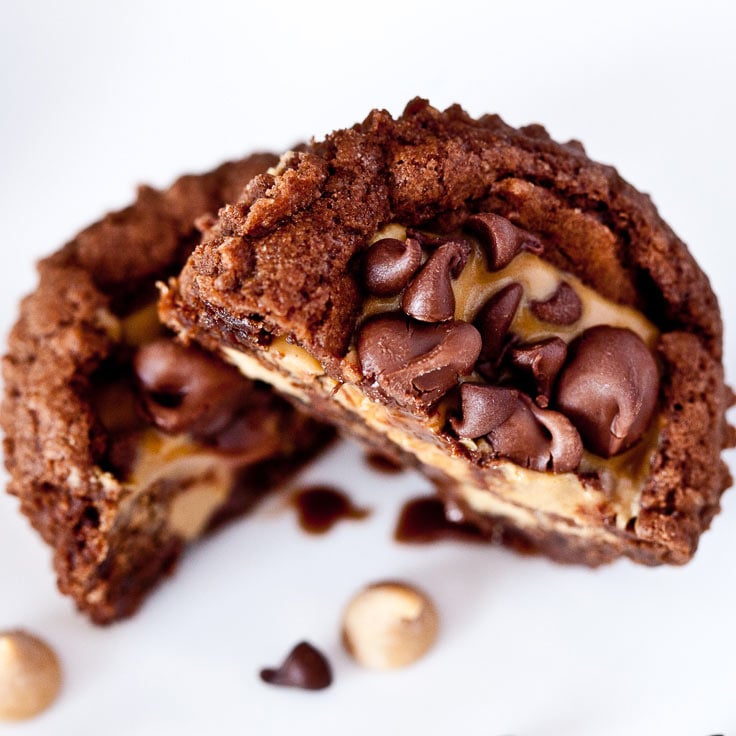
[
  {"x": 166, "y": 475},
  {"x": 601, "y": 492}
]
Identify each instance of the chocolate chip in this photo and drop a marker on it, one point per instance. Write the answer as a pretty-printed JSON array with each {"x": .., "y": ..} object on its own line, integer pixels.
[
  {"x": 501, "y": 239},
  {"x": 609, "y": 388},
  {"x": 541, "y": 361},
  {"x": 566, "y": 446},
  {"x": 305, "y": 667},
  {"x": 415, "y": 363},
  {"x": 493, "y": 322},
  {"x": 484, "y": 408},
  {"x": 562, "y": 308},
  {"x": 429, "y": 297},
  {"x": 185, "y": 390},
  {"x": 389, "y": 263},
  {"x": 517, "y": 429}
]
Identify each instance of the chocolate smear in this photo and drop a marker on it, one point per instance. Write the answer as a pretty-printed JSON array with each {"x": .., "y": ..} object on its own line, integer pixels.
[
  {"x": 423, "y": 520},
  {"x": 562, "y": 308},
  {"x": 517, "y": 429},
  {"x": 388, "y": 265},
  {"x": 609, "y": 388},
  {"x": 429, "y": 297},
  {"x": 414, "y": 363},
  {"x": 305, "y": 667},
  {"x": 501, "y": 239},
  {"x": 321, "y": 507},
  {"x": 383, "y": 463},
  {"x": 493, "y": 322},
  {"x": 541, "y": 362}
]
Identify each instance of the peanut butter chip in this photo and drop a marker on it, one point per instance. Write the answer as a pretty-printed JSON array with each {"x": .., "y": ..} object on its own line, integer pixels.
[
  {"x": 30, "y": 676},
  {"x": 389, "y": 625}
]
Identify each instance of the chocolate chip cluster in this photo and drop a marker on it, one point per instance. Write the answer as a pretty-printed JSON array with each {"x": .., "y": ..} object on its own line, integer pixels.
[{"x": 538, "y": 404}]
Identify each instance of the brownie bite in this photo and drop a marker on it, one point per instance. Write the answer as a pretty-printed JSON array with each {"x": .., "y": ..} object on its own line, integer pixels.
[
  {"x": 492, "y": 306},
  {"x": 122, "y": 445}
]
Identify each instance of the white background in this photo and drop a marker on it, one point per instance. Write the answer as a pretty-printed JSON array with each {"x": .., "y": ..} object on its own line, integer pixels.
[{"x": 95, "y": 97}]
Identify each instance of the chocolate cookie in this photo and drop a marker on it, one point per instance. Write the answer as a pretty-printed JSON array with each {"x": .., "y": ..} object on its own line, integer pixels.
[
  {"x": 121, "y": 444},
  {"x": 512, "y": 317}
]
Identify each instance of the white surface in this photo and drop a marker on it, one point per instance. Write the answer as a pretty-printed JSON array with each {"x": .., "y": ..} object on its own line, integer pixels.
[{"x": 95, "y": 97}]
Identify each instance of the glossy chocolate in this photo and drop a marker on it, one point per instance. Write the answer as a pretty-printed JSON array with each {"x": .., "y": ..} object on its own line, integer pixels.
[
  {"x": 429, "y": 297},
  {"x": 502, "y": 241},
  {"x": 186, "y": 390},
  {"x": 493, "y": 322},
  {"x": 517, "y": 429},
  {"x": 609, "y": 388},
  {"x": 389, "y": 264},
  {"x": 305, "y": 667},
  {"x": 321, "y": 507},
  {"x": 540, "y": 362},
  {"x": 423, "y": 520},
  {"x": 415, "y": 363}
]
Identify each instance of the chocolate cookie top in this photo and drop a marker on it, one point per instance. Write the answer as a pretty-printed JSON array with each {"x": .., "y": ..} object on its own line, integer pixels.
[
  {"x": 310, "y": 244},
  {"x": 433, "y": 169},
  {"x": 54, "y": 439}
]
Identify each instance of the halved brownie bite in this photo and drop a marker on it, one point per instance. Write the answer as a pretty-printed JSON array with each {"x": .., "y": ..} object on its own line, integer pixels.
[
  {"x": 123, "y": 445},
  {"x": 510, "y": 316}
]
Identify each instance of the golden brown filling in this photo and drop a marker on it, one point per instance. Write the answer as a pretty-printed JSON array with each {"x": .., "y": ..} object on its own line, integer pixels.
[{"x": 178, "y": 424}]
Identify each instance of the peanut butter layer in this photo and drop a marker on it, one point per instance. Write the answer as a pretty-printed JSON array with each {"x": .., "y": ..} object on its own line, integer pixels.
[
  {"x": 285, "y": 265},
  {"x": 115, "y": 496}
]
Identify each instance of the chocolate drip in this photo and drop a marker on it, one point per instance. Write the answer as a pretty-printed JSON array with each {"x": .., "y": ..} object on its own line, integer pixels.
[{"x": 321, "y": 507}]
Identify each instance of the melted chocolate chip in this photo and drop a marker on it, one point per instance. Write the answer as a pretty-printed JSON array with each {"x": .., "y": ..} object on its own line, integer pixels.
[
  {"x": 541, "y": 361},
  {"x": 517, "y": 429},
  {"x": 501, "y": 239},
  {"x": 321, "y": 507},
  {"x": 609, "y": 388},
  {"x": 493, "y": 322},
  {"x": 484, "y": 408},
  {"x": 305, "y": 667},
  {"x": 562, "y": 308},
  {"x": 186, "y": 390},
  {"x": 389, "y": 264},
  {"x": 429, "y": 297},
  {"x": 414, "y": 363}
]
